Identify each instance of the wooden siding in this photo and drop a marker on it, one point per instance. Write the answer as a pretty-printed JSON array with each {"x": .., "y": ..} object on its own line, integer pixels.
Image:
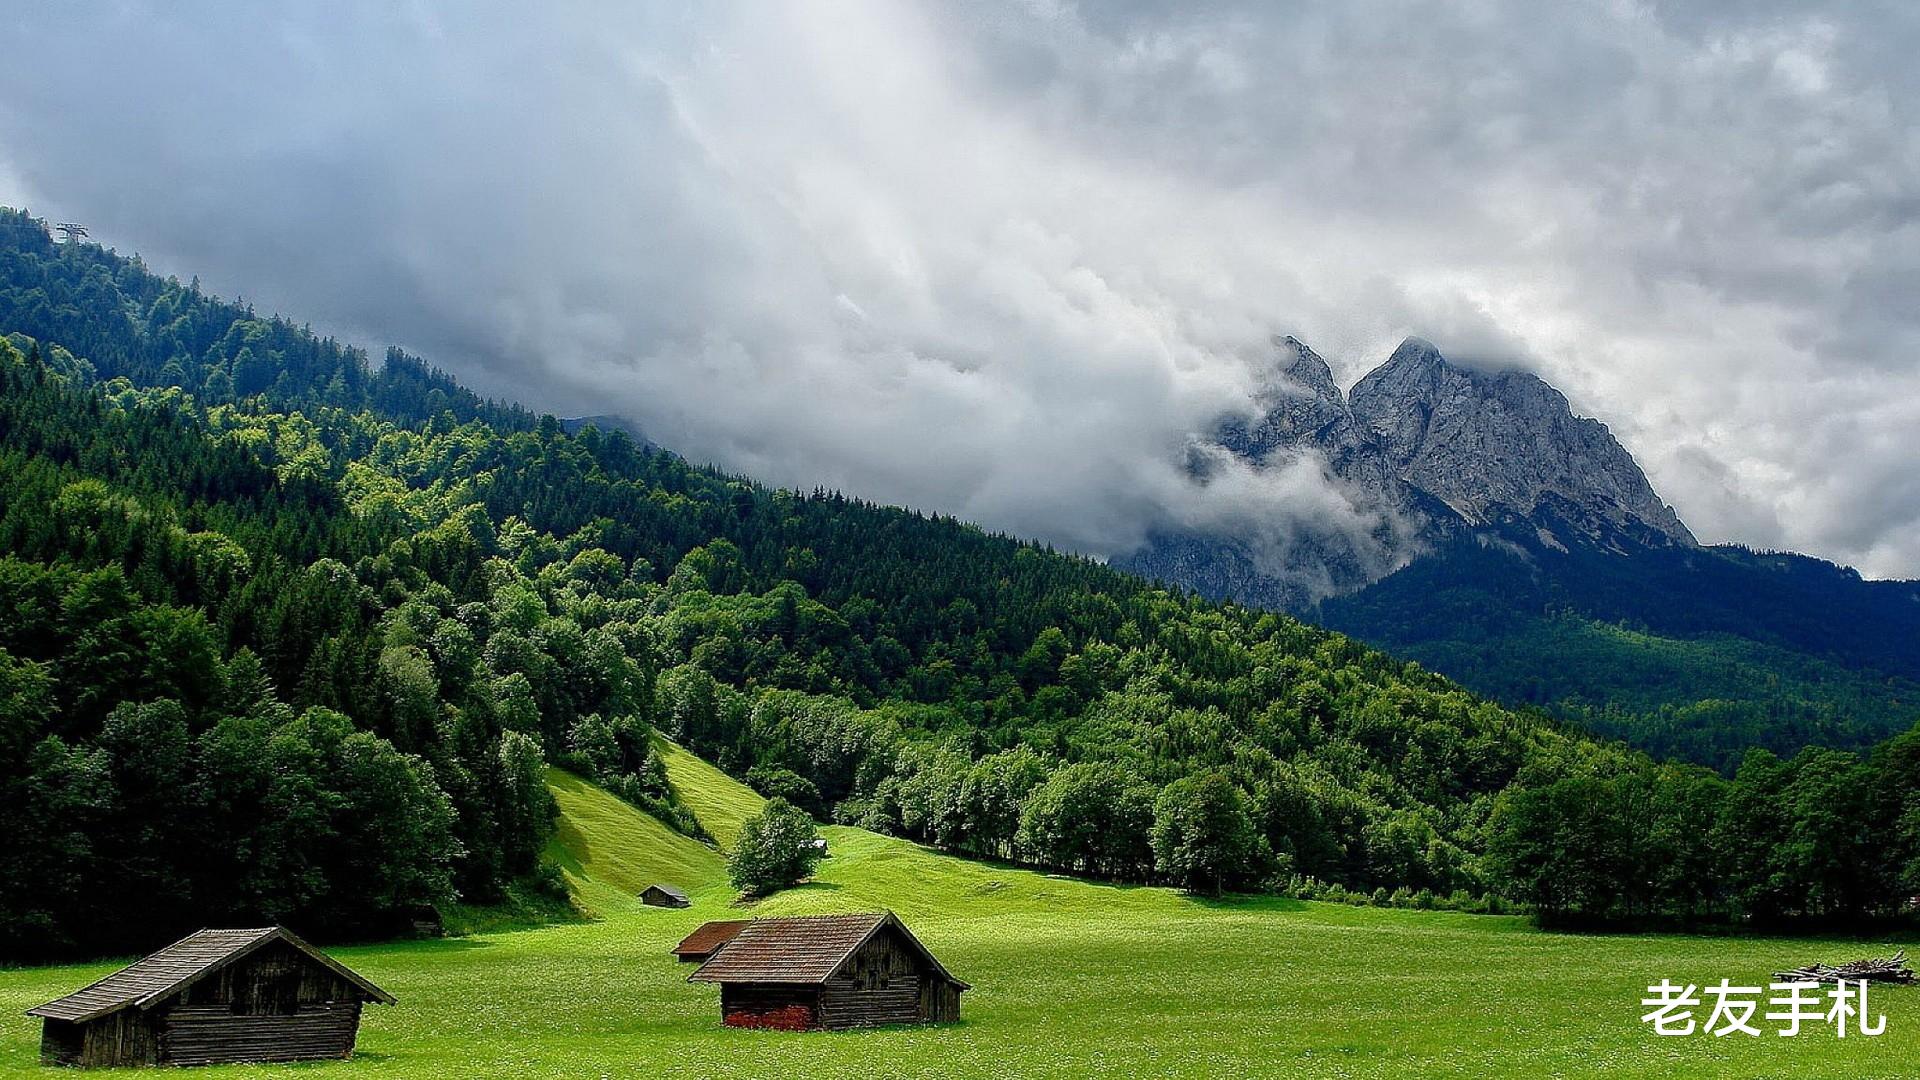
[
  {"x": 939, "y": 1001},
  {"x": 788, "y": 1008},
  {"x": 122, "y": 1038},
  {"x": 850, "y": 1008},
  {"x": 879, "y": 984},
  {"x": 214, "y": 1034},
  {"x": 125, "y": 1036}
]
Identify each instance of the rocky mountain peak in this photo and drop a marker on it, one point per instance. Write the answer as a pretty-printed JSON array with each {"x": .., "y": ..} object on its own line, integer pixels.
[
  {"x": 1306, "y": 369},
  {"x": 1489, "y": 443},
  {"x": 1413, "y": 354},
  {"x": 1430, "y": 449},
  {"x": 1302, "y": 407}
]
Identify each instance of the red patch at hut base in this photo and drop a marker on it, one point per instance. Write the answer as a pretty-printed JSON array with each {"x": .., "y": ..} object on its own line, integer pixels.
[{"x": 788, "y": 1018}]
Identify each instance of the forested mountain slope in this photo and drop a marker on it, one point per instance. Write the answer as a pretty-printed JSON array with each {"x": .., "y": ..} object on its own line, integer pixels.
[
  {"x": 1699, "y": 653},
  {"x": 290, "y": 636}
]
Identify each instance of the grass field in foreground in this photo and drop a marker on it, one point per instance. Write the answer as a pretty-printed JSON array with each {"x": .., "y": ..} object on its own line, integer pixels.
[{"x": 1070, "y": 979}]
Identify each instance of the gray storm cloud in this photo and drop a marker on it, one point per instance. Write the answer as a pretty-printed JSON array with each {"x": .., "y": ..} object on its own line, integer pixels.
[{"x": 1000, "y": 259}]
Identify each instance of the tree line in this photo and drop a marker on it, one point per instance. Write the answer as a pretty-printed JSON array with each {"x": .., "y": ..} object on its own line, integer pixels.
[{"x": 1826, "y": 837}]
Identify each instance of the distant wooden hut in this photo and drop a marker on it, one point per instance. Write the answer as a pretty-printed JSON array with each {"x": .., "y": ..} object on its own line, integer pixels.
[
  {"x": 664, "y": 896},
  {"x": 698, "y": 946},
  {"x": 213, "y": 997},
  {"x": 829, "y": 971}
]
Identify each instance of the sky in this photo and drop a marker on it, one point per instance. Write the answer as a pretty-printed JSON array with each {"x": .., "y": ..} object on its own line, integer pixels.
[{"x": 1001, "y": 258}]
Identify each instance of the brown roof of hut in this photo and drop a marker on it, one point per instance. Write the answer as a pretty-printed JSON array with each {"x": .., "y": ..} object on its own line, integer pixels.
[
  {"x": 703, "y": 942},
  {"x": 146, "y": 982},
  {"x": 802, "y": 949}
]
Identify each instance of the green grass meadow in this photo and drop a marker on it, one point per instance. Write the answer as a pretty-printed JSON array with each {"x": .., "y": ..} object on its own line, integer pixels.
[{"x": 1070, "y": 978}]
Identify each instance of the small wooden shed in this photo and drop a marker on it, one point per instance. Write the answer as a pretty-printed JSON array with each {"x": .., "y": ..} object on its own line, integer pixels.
[
  {"x": 213, "y": 997},
  {"x": 698, "y": 946},
  {"x": 664, "y": 896},
  {"x": 829, "y": 971}
]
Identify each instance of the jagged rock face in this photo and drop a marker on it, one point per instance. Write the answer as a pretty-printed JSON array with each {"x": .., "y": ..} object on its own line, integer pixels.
[
  {"x": 1487, "y": 443},
  {"x": 1303, "y": 407},
  {"x": 1305, "y": 410},
  {"x": 1427, "y": 450}
]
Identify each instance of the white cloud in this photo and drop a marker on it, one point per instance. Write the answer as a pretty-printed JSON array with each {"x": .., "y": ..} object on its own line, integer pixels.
[{"x": 999, "y": 259}]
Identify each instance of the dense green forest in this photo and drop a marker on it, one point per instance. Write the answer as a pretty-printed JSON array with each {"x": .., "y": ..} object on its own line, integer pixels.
[
  {"x": 1695, "y": 653},
  {"x": 288, "y": 635}
]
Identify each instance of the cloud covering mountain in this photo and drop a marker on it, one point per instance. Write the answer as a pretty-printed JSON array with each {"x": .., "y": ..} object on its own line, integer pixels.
[{"x": 1003, "y": 259}]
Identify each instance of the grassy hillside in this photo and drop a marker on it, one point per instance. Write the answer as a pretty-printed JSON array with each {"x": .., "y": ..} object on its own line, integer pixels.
[
  {"x": 609, "y": 851},
  {"x": 1070, "y": 978},
  {"x": 721, "y": 803}
]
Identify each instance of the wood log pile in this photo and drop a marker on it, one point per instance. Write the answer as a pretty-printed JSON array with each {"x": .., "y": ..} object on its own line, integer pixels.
[{"x": 1893, "y": 969}]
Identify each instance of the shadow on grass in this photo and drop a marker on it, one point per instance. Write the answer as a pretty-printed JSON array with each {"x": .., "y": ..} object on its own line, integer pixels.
[
  {"x": 805, "y": 886},
  {"x": 1245, "y": 902},
  {"x": 882, "y": 1029},
  {"x": 524, "y": 907},
  {"x": 430, "y": 945},
  {"x": 1863, "y": 930},
  {"x": 991, "y": 862}
]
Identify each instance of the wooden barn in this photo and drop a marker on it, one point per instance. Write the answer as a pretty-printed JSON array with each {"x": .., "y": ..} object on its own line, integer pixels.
[
  {"x": 664, "y": 896},
  {"x": 212, "y": 997},
  {"x": 698, "y": 946},
  {"x": 829, "y": 971}
]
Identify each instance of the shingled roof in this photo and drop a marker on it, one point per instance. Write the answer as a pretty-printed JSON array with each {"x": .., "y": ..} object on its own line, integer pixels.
[
  {"x": 710, "y": 936},
  {"x": 147, "y": 982},
  {"x": 802, "y": 949}
]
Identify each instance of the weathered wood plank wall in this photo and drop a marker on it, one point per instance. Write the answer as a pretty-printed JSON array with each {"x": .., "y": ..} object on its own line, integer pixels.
[{"x": 210, "y": 1034}]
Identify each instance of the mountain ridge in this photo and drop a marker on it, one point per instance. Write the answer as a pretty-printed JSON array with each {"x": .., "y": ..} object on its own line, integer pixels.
[{"x": 1435, "y": 451}]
